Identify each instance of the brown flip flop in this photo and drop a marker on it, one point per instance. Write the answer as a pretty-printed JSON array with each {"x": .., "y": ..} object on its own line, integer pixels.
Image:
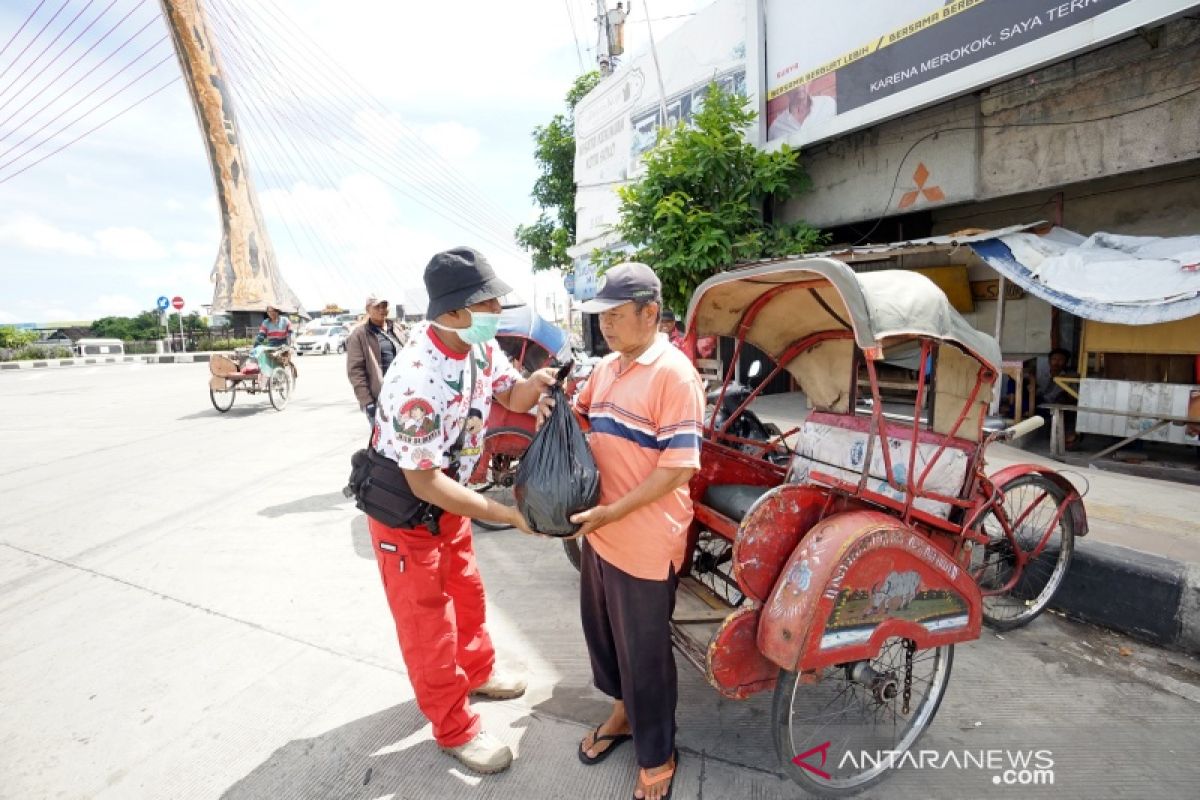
[{"x": 616, "y": 739}]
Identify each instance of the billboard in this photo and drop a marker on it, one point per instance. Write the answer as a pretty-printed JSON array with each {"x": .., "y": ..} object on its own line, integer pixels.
[
  {"x": 832, "y": 69},
  {"x": 618, "y": 121}
]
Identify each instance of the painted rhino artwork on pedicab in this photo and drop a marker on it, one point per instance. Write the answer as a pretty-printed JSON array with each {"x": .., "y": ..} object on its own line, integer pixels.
[{"x": 900, "y": 586}]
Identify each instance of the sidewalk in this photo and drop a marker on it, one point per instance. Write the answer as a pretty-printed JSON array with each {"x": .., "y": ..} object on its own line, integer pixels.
[
  {"x": 151, "y": 358},
  {"x": 1138, "y": 568}
]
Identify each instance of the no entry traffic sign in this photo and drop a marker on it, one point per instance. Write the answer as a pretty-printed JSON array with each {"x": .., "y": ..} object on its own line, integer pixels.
[{"x": 177, "y": 302}]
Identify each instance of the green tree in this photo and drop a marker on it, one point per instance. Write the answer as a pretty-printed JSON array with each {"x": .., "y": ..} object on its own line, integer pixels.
[
  {"x": 702, "y": 204},
  {"x": 554, "y": 190},
  {"x": 144, "y": 327},
  {"x": 12, "y": 337}
]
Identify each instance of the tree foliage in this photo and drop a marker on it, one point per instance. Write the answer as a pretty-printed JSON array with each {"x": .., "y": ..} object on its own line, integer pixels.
[
  {"x": 145, "y": 326},
  {"x": 699, "y": 207},
  {"x": 12, "y": 337},
  {"x": 554, "y": 190}
]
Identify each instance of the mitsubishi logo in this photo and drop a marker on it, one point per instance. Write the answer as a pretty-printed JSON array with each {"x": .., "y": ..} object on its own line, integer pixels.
[{"x": 933, "y": 194}]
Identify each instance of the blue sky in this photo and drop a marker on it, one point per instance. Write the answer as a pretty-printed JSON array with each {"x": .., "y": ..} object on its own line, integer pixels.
[{"x": 129, "y": 213}]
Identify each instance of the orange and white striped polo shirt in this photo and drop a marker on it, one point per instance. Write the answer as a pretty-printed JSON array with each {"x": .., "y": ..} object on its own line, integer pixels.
[{"x": 647, "y": 416}]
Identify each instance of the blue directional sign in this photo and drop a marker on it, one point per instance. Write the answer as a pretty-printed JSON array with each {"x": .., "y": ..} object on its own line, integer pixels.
[{"x": 163, "y": 303}]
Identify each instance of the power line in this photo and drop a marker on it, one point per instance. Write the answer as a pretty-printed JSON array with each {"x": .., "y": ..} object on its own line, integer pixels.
[
  {"x": 49, "y": 44},
  {"x": 435, "y": 159},
  {"x": 457, "y": 210},
  {"x": 83, "y": 116},
  {"x": 232, "y": 58},
  {"x": 278, "y": 132},
  {"x": 36, "y": 36},
  {"x": 88, "y": 132},
  {"x": 574, "y": 33},
  {"x": 49, "y": 63},
  {"x": 461, "y": 205},
  {"x": 13, "y": 38},
  {"x": 83, "y": 77}
]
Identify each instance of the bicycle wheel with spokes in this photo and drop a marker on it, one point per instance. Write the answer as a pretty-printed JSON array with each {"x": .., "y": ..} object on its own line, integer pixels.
[
  {"x": 712, "y": 565},
  {"x": 222, "y": 399},
  {"x": 1027, "y": 554},
  {"x": 279, "y": 388},
  {"x": 841, "y": 734}
]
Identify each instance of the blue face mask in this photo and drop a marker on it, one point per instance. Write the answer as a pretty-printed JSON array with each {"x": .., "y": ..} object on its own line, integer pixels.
[{"x": 483, "y": 327}]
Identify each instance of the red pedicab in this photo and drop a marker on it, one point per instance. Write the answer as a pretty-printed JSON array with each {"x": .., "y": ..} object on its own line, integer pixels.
[{"x": 843, "y": 576}]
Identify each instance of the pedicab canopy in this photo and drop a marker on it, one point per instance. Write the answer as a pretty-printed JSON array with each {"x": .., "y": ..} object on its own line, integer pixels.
[
  {"x": 779, "y": 306},
  {"x": 522, "y": 321}
]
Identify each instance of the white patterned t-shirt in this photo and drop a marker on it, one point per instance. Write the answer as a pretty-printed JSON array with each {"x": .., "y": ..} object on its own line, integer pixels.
[{"x": 422, "y": 405}]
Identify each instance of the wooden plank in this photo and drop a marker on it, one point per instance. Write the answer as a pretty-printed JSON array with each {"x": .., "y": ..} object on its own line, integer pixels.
[
  {"x": 1112, "y": 412},
  {"x": 696, "y": 603},
  {"x": 1175, "y": 338}
]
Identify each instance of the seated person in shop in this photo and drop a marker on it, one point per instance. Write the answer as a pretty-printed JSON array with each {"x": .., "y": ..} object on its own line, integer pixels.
[{"x": 1050, "y": 392}]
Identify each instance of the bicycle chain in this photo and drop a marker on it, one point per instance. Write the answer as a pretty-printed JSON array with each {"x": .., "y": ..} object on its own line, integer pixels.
[{"x": 910, "y": 647}]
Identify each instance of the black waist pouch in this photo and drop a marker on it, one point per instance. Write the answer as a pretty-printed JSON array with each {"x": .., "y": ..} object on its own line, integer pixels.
[{"x": 381, "y": 491}]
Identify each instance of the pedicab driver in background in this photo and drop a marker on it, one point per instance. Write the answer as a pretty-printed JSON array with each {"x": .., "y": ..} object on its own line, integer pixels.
[
  {"x": 433, "y": 586},
  {"x": 275, "y": 331},
  {"x": 645, "y": 407}
]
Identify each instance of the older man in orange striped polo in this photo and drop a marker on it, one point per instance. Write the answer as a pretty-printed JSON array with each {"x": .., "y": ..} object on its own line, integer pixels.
[{"x": 645, "y": 407}]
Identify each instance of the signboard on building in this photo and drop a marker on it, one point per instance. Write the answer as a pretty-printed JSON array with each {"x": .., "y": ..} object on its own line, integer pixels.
[
  {"x": 833, "y": 68},
  {"x": 618, "y": 121}
]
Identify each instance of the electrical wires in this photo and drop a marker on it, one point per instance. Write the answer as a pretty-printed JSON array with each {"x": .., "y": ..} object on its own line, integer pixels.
[{"x": 30, "y": 137}]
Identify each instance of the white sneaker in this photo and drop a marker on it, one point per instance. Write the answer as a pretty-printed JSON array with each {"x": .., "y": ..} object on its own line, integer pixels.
[
  {"x": 499, "y": 686},
  {"x": 484, "y": 754}
]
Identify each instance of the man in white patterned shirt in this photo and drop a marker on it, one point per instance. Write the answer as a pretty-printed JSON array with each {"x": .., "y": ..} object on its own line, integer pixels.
[{"x": 434, "y": 397}]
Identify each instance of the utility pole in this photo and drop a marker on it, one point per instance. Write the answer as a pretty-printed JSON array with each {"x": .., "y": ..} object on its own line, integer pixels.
[
  {"x": 245, "y": 277},
  {"x": 612, "y": 34}
]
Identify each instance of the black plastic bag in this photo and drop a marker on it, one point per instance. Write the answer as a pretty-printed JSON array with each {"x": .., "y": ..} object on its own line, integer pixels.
[{"x": 557, "y": 476}]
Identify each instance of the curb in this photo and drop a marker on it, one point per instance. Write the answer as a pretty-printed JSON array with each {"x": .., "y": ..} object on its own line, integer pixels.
[
  {"x": 152, "y": 358},
  {"x": 1146, "y": 596}
]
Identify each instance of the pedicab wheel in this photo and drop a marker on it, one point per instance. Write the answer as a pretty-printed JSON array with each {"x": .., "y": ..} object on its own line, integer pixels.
[
  {"x": 856, "y": 709},
  {"x": 295, "y": 375},
  {"x": 223, "y": 400},
  {"x": 497, "y": 468},
  {"x": 1014, "y": 594},
  {"x": 279, "y": 388}
]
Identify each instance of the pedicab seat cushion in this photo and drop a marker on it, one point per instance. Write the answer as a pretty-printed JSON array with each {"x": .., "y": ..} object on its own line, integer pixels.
[
  {"x": 841, "y": 452},
  {"x": 733, "y": 500}
]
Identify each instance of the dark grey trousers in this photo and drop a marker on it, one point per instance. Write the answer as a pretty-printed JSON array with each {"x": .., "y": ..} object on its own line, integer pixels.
[{"x": 626, "y": 623}]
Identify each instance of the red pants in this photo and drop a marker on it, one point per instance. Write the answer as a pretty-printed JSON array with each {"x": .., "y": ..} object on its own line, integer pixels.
[{"x": 436, "y": 596}]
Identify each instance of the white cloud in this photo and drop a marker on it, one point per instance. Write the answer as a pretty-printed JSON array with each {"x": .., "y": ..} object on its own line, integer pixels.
[
  {"x": 33, "y": 233},
  {"x": 196, "y": 251},
  {"x": 130, "y": 243},
  {"x": 56, "y": 314},
  {"x": 114, "y": 305},
  {"x": 453, "y": 141},
  {"x": 8, "y": 319}
]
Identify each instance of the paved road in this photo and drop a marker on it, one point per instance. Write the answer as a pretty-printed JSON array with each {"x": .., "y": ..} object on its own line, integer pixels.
[{"x": 190, "y": 609}]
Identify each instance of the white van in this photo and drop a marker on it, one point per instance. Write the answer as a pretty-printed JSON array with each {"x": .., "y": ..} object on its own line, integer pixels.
[{"x": 100, "y": 347}]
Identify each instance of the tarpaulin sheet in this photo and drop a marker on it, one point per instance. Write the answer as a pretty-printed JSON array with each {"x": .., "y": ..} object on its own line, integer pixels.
[{"x": 1129, "y": 280}]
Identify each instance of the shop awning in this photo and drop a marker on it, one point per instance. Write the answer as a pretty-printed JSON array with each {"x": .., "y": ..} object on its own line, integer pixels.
[{"x": 1128, "y": 280}]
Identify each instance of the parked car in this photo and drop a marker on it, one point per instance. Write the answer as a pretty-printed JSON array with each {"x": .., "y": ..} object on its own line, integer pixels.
[{"x": 325, "y": 339}]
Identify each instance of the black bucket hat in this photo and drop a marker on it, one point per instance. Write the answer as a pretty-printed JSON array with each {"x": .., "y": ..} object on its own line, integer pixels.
[{"x": 459, "y": 278}]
